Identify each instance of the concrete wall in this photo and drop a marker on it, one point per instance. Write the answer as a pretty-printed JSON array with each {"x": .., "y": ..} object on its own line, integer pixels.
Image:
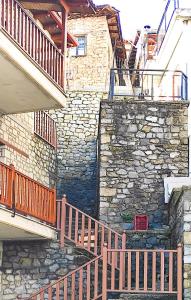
[
  {"x": 91, "y": 72},
  {"x": 29, "y": 154},
  {"x": 77, "y": 128},
  {"x": 180, "y": 224},
  {"x": 140, "y": 144}
]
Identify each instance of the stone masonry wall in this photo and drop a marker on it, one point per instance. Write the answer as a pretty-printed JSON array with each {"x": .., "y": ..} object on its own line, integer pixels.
[
  {"x": 77, "y": 130},
  {"x": 140, "y": 144},
  {"x": 30, "y": 265},
  {"x": 91, "y": 71},
  {"x": 180, "y": 224},
  {"x": 29, "y": 153}
]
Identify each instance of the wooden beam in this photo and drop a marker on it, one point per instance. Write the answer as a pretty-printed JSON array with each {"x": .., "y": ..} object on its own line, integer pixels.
[{"x": 41, "y": 5}]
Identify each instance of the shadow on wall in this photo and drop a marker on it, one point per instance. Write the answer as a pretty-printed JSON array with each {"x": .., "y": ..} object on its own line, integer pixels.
[{"x": 80, "y": 192}]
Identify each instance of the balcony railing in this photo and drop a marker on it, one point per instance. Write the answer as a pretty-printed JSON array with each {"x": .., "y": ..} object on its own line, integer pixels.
[
  {"x": 149, "y": 84},
  {"x": 45, "y": 127},
  {"x": 24, "y": 195},
  {"x": 20, "y": 27}
]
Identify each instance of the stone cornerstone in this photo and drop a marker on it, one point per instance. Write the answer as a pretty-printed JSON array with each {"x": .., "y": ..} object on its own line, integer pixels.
[{"x": 140, "y": 144}]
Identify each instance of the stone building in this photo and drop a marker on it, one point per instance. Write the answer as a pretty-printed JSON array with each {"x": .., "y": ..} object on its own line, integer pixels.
[
  {"x": 100, "y": 47},
  {"x": 108, "y": 154}
]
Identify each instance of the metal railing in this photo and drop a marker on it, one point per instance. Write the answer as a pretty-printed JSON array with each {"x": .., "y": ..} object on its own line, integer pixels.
[
  {"x": 148, "y": 84},
  {"x": 86, "y": 231},
  {"x": 170, "y": 8},
  {"x": 19, "y": 26},
  {"x": 45, "y": 127},
  {"x": 24, "y": 195}
]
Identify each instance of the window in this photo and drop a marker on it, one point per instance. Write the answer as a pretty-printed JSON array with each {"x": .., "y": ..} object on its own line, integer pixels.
[{"x": 81, "y": 49}]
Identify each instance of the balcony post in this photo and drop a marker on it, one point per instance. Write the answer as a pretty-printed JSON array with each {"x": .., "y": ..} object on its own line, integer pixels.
[
  {"x": 64, "y": 44},
  {"x": 11, "y": 188}
]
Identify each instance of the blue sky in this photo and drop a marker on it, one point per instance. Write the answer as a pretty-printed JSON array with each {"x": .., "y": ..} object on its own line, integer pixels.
[{"x": 137, "y": 13}]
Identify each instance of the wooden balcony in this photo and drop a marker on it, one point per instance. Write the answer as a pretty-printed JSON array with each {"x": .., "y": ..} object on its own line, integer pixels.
[
  {"x": 33, "y": 67},
  {"x": 45, "y": 128},
  {"x": 29, "y": 202}
]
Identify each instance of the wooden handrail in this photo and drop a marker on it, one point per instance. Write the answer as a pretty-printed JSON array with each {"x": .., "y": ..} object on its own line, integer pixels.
[
  {"x": 20, "y": 26},
  {"x": 86, "y": 231},
  {"x": 159, "y": 269},
  {"x": 82, "y": 281},
  {"x": 96, "y": 278},
  {"x": 25, "y": 195}
]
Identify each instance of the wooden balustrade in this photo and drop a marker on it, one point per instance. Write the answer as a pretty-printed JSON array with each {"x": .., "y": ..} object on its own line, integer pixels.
[
  {"x": 131, "y": 271},
  {"x": 22, "y": 194},
  {"x": 86, "y": 231},
  {"x": 82, "y": 283},
  {"x": 143, "y": 271},
  {"x": 19, "y": 25},
  {"x": 45, "y": 127}
]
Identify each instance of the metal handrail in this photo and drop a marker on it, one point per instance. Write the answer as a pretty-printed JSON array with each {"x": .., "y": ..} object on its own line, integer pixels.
[{"x": 151, "y": 83}]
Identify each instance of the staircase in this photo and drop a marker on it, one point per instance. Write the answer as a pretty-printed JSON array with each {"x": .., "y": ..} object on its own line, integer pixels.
[{"x": 114, "y": 271}]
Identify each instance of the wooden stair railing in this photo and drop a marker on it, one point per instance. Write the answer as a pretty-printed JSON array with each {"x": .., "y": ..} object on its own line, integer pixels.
[
  {"x": 82, "y": 283},
  {"x": 143, "y": 271},
  {"x": 24, "y": 195},
  {"x": 86, "y": 231},
  {"x": 140, "y": 271}
]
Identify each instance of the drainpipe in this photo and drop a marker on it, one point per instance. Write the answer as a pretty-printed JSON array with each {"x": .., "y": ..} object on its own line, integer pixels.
[{"x": 1, "y": 262}]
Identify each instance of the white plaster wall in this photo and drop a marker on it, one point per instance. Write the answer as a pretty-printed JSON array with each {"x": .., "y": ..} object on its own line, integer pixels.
[{"x": 175, "y": 52}]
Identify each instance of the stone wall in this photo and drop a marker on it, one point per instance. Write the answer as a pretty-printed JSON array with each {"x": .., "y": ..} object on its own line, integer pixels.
[
  {"x": 140, "y": 144},
  {"x": 180, "y": 224},
  {"x": 91, "y": 71},
  {"x": 29, "y": 153},
  {"x": 77, "y": 129},
  {"x": 30, "y": 265}
]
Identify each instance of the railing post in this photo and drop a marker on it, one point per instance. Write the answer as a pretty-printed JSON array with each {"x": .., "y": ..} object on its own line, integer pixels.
[
  {"x": 179, "y": 272},
  {"x": 112, "y": 84},
  {"x": 11, "y": 188},
  {"x": 53, "y": 207},
  {"x": 63, "y": 220},
  {"x": 104, "y": 274}
]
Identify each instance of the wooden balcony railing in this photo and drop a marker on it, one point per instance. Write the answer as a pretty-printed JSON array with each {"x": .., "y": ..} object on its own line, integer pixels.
[
  {"x": 45, "y": 127},
  {"x": 24, "y": 195},
  {"x": 18, "y": 24},
  {"x": 86, "y": 231}
]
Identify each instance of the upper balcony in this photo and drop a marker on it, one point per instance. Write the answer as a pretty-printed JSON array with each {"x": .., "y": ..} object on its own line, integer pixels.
[
  {"x": 32, "y": 67},
  {"x": 27, "y": 208},
  {"x": 153, "y": 85},
  {"x": 171, "y": 8}
]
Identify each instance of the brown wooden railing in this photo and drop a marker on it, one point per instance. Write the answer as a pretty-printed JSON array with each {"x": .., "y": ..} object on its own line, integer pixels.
[
  {"x": 143, "y": 271},
  {"x": 86, "y": 231},
  {"x": 82, "y": 283},
  {"x": 45, "y": 127},
  {"x": 22, "y": 194},
  {"x": 19, "y": 25},
  {"x": 131, "y": 271}
]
